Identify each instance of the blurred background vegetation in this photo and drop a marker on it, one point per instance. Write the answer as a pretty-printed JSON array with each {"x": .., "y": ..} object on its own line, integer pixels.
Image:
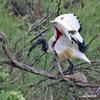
[{"x": 28, "y": 18}]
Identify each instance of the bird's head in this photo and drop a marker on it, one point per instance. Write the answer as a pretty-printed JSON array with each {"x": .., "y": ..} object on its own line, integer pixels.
[
  {"x": 53, "y": 23},
  {"x": 57, "y": 24},
  {"x": 40, "y": 41}
]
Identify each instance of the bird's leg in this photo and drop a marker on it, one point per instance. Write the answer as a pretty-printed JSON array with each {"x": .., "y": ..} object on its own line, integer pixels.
[
  {"x": 70, "y": 68},
  {"x": 59, "y": 66}
]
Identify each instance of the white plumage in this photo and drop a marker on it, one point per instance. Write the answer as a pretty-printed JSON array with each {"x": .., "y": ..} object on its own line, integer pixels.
[
  {"x": 67, "y": 42},
  {"x": 70, "y": 19}
]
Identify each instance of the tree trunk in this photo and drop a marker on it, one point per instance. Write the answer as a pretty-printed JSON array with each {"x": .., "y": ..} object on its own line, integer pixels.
[{"x": 37, "y": 9}]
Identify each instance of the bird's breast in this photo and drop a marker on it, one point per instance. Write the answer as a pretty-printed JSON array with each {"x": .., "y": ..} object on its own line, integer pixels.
[
  {"x": 66, "y": 54},
  {"x": 64, "y": 48}
]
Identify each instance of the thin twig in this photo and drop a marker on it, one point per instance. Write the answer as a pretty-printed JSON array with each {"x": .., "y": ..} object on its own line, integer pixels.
[
  {"x": 36, "y": 60},
  {"x": 96, "y": 36},
  {"x": 40, "y": 34}
]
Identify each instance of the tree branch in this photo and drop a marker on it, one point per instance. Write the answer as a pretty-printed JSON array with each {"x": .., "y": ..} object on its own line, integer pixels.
[
  {"x": 27, "y": 68},
  {"x": 39, "y": 34}
]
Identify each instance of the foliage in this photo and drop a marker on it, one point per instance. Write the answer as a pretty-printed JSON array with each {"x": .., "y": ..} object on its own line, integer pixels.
[
  {"x": 15, "y": 27},
  {"x": 11, "y": 95},
  {"x": 8, "y": 94}
]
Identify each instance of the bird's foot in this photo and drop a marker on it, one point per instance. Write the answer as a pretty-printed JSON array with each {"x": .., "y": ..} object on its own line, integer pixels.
[{"x": 69, "y": 70}]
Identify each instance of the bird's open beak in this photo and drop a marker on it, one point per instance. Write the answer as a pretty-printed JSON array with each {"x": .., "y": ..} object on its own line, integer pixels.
[{"x": 53, "y": 22}]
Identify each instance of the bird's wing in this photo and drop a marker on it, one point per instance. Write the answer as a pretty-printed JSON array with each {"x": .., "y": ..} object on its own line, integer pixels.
[
  {"x": 70, "y": 19},
  {"x": 69, "y": 43},
  {"x": 68, "y": 25}
]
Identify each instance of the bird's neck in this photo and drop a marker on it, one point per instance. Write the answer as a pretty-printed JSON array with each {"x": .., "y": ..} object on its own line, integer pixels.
[
  {"x": 44, "y": 46},
  {"x": 58, "y": 34}
]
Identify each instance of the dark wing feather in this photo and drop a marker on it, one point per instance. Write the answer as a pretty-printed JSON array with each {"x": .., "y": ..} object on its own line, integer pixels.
[{"x": 82, "y": 46}]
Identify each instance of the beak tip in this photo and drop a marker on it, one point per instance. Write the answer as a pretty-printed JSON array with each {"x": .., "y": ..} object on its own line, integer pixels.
[{"x": 52, "y": 22}]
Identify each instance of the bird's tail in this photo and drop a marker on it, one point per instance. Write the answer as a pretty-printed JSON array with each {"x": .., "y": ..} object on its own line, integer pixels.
[{"x": 84, "y": 58}]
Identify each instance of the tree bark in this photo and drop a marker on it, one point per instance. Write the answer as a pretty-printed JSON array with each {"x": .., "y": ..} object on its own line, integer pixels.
[{"x": 37, "y": 9}]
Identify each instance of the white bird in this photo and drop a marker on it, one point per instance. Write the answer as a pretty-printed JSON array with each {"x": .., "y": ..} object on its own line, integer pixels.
[{"x": 66, "y": 42}]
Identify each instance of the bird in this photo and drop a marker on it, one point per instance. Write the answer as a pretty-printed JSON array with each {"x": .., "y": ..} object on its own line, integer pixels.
[{"x": 66, "y": 43}]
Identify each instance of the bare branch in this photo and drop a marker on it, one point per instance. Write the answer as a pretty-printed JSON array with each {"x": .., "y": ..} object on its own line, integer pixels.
[
  {"x": 58, "y": 7},
  {"x": 30, "y": 69},
  {"x": 5, "y": 49},
  {"x": 3, "y": 37},
  {"x": 87, "y": 85},
  {"x": 88, "y": 96},
  {"x": 40, "y": 34},
  {"x": 38, "y": 24}
]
